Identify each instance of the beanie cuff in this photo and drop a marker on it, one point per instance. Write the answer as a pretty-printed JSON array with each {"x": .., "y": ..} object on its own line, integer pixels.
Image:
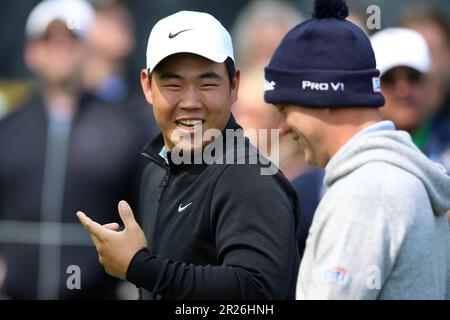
[{"x": 324, "y": 88}]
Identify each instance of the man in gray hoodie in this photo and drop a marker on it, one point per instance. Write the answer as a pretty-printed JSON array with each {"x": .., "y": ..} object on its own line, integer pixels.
[{"x": 380, "y": 232}]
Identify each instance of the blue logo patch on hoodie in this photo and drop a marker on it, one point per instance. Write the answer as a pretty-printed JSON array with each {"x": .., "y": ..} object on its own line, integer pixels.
[{"x": 336, "y": 274}]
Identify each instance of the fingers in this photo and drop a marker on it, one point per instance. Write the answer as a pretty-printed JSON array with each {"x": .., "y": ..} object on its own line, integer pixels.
[
  {"x": 92, "y": 227},
  {"x": 112, "y": 226},
  {"x": 126, "y": 214}
]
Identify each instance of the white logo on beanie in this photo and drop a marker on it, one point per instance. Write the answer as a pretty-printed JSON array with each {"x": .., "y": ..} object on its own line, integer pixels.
[
  {"x": 376, "y": 83},
  {"x": 322, "y": 86},
  {"x": 269, "y": 86}
]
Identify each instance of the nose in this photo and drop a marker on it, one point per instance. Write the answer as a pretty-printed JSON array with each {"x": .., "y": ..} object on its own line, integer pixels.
[
  {"x": 403, "y": 88},
  {"x": 190, "y": 99}
]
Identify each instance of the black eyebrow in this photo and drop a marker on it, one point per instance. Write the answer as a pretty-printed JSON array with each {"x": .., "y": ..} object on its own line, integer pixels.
[
  {"x": 210, "y": 75},
  {"x": 207, "y": 75},
  {"x": 169, "y": 76}
]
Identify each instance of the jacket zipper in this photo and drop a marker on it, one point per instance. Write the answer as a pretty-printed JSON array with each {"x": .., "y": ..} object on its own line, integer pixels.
[
  {"x": 163, "y": 187},
  {"x": 164, "y": 184}
]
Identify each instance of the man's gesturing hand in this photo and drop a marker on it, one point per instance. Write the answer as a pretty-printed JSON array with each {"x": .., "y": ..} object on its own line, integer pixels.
[{"x": 116, "y": 248}]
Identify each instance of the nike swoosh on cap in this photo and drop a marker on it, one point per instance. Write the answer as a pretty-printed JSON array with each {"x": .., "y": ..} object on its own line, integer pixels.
[
  {"x": 173, "y": 35},
  {"x": 181, "y": 208}
]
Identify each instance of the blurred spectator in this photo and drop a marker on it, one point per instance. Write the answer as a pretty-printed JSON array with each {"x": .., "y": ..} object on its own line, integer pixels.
[
  {"x": 109, "y": 43},
  {"x": 61, "y": 152},
  {"x": 254, "y": 114},
  {"x": 357, "y": 17},
  {"x": 259, "y": 28},
  {"x": 433, "y": 25},
  {"x": 258, "y": 31},
  {"x": 310, "y": 189},
  {"x": 404, "y": 60}
]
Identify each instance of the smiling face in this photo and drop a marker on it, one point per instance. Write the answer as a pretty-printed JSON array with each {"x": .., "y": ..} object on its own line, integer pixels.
[{"x": 189, "y": 94}]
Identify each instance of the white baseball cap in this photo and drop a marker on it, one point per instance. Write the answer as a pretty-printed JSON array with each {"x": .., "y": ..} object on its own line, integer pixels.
[
  {"x": 189, "y": 32},
  {"x": 400, "y": 47},
  {"x": 78, "y": 16}
]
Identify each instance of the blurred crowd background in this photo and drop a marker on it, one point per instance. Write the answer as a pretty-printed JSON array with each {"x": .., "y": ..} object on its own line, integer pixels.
[
  {"x": 73, "y": 120},
  {"x": 144, "y": 14}
]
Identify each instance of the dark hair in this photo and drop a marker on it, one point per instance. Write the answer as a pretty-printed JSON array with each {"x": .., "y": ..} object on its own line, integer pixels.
[
  {"x": 229, "y": 65},
  {"x": 231, "y": 69}
]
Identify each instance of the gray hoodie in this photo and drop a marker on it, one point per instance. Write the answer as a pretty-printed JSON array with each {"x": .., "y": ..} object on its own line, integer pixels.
[{"x": 381, "y": 230}]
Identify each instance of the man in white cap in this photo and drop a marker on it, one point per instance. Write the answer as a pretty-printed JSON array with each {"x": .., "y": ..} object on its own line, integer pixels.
[
  {"x": 60, "y": 152},
  {"x": 403, "y": 59},
  {"x": 209, "y": 230}
]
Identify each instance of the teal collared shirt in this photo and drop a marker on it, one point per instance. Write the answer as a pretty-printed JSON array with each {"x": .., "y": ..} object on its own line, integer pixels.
[{"x": 163, "y": 154}]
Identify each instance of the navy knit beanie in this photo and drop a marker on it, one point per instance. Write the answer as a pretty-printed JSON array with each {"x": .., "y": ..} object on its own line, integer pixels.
[{"x": 324, "y": 62}]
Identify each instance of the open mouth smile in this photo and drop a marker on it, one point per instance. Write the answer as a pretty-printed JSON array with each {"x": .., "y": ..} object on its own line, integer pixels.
[{"x": 189, "y": 125}]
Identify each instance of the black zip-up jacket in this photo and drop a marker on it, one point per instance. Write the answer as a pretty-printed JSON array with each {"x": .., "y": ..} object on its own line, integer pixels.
[{"x": 220, "y": 231}]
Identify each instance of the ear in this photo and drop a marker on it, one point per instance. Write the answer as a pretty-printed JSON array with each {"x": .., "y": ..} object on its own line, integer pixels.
[
  {"x": 146, "y": 86},
  {"x": 235, "y": 86}
]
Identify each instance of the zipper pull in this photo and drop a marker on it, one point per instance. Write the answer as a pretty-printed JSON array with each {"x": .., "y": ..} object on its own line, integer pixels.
[
  {"x": 165, "y": 181},
  {"x": 164, "y": 184}
]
